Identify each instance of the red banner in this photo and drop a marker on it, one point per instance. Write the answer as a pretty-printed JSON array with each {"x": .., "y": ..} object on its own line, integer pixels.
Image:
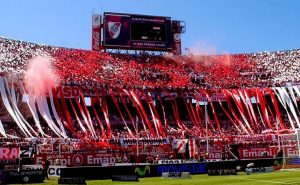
[
  {"x": 177, "y": 44},
  {"x": 291, "y": 151},
  {"x": 9, "y": 155},
  {"x": 214, "y": 151},
  {"x": 255, "y": 137},
  {"x": 80, "y": 159},
  {"x": 74, "y": 91},
  {"x": 96, "y": 32},
  {"x": 255, "y": 153},
  {"x": 163, "y": 152},
  {"x": 45, "y": 148}
]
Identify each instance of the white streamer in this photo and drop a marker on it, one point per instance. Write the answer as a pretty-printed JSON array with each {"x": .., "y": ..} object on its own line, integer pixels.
[
  {"x": 290, "y": 105},
  {"x": 77, "y": 118},
  {"x": 154, "y": 120},
  {"x": 31, "y": 105},
  {"x": 281, "y": 99},
  {"x": 44, "y": 111},
  {"x": 87, "y": 121},
  {"x": 88, "y": 115},
  {"x": 17, "y": 111},
  {"x": 297, "y": 90},
  {"x": 248, "y": 100},
  {"x": 58, "y": 120},
  {"x": 2, "y": 131},
  {"x": 259, "y": 112},
  {"x": 293, "y": 96},
  {"x": 8, "y": 107}
]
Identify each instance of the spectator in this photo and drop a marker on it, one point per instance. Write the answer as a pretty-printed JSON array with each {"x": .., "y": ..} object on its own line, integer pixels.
[{"x": 45, "y": 166}]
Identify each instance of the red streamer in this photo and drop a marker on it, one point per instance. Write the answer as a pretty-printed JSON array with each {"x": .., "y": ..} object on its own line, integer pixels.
[
  {"x": 157, "y": 120},
  {"x": 233, "y": 112},
  {"x": 263, "y": 107},
  {"x": 103, "y": 134},
  {"x": 137, "y": 108},
  {"x": 126, "y": 108},
  {"x": 275, "y": 103},
  {"x": 106, "y": 115},
  {"x": 120, "y": 112},
  {"x": 139, "y": 103},
  {"x": 65, "y": 108},
  {"x": 213, "y": 109},
  {"x": 228, "y": 115}
]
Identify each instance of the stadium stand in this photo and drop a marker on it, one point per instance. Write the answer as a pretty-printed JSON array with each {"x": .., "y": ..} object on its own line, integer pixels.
[{"x": 163, "y": 76}]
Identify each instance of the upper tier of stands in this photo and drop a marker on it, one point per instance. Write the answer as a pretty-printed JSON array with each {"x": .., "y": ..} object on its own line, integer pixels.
[{"x": 82, "y": 67}]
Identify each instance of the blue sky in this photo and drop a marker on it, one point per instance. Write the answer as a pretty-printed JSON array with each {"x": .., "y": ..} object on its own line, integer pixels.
[{"x": 215, "y": 26}]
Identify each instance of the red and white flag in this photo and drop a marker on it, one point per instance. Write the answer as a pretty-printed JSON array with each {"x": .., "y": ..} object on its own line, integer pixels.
[
  {"x": 180, "y": 145},
  {"x": 193, "y": 149}
]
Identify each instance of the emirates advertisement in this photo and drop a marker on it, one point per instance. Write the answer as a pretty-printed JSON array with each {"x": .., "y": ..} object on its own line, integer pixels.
[
  {"x": 291, "y": 151},
  {"x": 80, "y": 159},
  {"x": 254, "y": 153}
]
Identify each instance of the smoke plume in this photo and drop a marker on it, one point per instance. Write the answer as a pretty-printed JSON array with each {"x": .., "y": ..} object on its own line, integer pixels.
[
  {"x": 203, "y": 54},
  {"x": 40, "y": 75}
]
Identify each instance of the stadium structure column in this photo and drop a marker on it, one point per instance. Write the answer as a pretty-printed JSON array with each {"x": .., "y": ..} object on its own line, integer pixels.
[{"x": 206, "y": 127}]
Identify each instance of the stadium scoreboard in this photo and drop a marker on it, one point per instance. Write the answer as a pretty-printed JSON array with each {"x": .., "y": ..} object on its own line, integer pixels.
[{"x": 131, "y": 31}]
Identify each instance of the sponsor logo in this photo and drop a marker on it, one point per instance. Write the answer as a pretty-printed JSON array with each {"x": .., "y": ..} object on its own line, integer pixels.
[
  {"x": 174, "y": 174},
  {"x": 77, "y": 159},
  {"x": 260, "y": 170},
  {"x": 25, "y": 179},
  {"x": 125, "y": 178},
  {"x": 24, "y": 173},
  {"x": 192, "y": 168},
  {"x": 114, "y": 29},
  {"x": 9, "y": 153},
  {"x": 175, "y": 161},
  {"x": 96, "y": 20},
  {"x": 258, "y": 152},
  {"x": 91, "y": 159},
  {"x": 222, "y": 172},
  {"x": 215, "y": 151},
  {"x": 291, "y": 151},
  {"x": 52, "y": 171},
  {"x": 125, "y": 159},
  {"x": 177, "y": 37},
  {"x": 142, "y": 172}
]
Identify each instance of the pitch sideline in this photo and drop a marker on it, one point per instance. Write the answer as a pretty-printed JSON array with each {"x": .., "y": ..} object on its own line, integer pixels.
[{"x": 258, "y": 180}]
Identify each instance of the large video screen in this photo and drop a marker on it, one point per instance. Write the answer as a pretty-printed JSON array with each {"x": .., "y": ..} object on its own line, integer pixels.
[
  {"x": 148, "y": 32},
  {"x": 137, "y": 32}
]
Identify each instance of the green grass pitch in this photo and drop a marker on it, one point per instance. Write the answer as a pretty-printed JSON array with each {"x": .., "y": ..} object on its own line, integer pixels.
[{"x": 279, "y": 178}]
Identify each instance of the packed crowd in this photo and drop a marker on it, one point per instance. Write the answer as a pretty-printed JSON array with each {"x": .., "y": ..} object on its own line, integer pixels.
[
  {"x": 278, "y": 68},
  {"x": 81, "y": 67},
  {"x": 88, "y": 68},
  {"x": 14, "y": 55}
]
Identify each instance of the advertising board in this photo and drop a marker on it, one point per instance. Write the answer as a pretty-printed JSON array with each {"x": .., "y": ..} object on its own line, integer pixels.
[{"x": 9, "y": 155}]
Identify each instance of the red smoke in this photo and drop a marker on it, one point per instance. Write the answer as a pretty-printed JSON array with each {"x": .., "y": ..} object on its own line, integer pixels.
[
  {"x": 203, "y": 54},
  {"x": 40, "y": 75}
]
